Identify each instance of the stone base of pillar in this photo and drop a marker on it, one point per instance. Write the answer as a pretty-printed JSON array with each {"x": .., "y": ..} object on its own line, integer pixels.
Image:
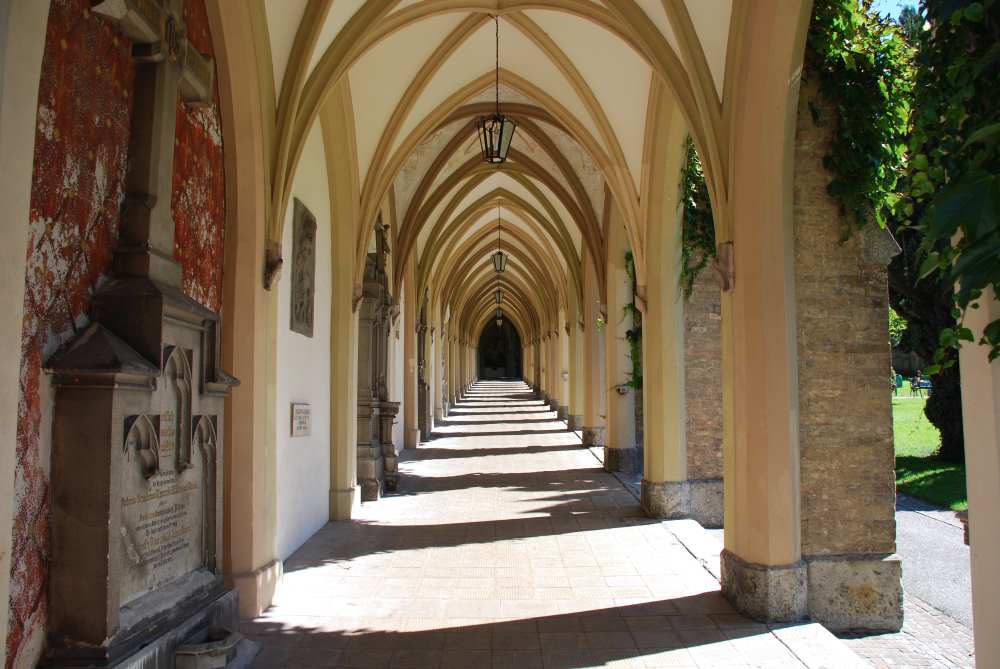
[
  {"x": 764, "y": 592},
  {"x": 665, "y": 499},
  {"x": 563, "y": 412},
  {"x": 574, "y": 423},
  {"x": 438, "y": 414},
  {"x": 698, "y": 500},
  {"x": 855, "y": 592},
  {"x": 371, "y": 472},
  {"x": 624, "y": 460},
  {"x": 706, "y": 505},
  {"x": 593, "y": 436},
  {"x": 411, "y": 438},
  {"x": 344, "y": 502},
  {"x": 256, "y": 588}
]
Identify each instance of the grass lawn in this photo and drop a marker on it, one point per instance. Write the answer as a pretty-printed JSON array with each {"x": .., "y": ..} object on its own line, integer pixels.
[{"x": 917, "y": 472}]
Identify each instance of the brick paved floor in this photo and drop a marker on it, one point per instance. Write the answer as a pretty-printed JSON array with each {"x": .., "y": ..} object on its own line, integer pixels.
[
  {"x": 508, "y": 547},
  {"x": 929, "y": 640}
]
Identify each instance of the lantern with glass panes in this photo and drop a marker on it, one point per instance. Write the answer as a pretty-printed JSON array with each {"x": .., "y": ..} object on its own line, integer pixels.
[
  {"x": 496, "y": 130},
  {"x": 499, "y": 258}
]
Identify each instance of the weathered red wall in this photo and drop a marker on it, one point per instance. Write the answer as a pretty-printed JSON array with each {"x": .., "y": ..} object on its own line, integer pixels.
[
  {"x": 199, "y": 199},
  {"x": 81, "y": 153}
]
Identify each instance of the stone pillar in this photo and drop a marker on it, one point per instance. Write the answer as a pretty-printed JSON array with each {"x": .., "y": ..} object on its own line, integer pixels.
[
  {"x": 553, "y": 365},
  {"x": 411, "y": 375},
  {"x": 703, "y": 397},
  {"x": 593, "y": 357},
  {"x": 762, "y": 570},
  {"x": 620, "y": 450},
  {"x": 22, "y": 43},
  {"x": 981, "y": 418},
  {"x": 665, "y": 490},
  {"x": 845, "y": 417},
  {"x": 564, "y": 365},
  {"x": 345, "y": 494},
  {"x": 576, "y": 389}
]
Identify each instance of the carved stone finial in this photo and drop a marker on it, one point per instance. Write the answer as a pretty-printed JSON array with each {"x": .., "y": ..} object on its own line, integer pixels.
[{"x": 272, "y": 264}]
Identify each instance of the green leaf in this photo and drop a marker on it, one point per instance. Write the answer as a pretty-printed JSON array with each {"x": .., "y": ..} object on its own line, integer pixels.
[{"x": 988, "y": 134}]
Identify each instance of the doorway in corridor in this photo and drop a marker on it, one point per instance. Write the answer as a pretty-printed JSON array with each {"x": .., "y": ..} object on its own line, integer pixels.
[{"x": 500, "y": 351}]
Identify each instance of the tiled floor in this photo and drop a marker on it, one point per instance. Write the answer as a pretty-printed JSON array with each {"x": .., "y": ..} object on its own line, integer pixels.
[{"x": 507, "y": 546}]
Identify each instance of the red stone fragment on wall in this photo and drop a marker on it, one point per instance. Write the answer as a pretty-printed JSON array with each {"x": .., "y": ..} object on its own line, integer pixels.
[{"x": 199, "y": 197}]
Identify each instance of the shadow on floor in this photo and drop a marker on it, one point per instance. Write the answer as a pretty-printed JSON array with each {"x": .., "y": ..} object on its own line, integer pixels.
[{"x": 699, "y": 630}]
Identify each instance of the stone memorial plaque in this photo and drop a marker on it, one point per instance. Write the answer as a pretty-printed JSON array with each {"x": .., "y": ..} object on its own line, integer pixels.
[
  {"x": 163, "y": 489},
  {"x": 303, "y": 270},
  {"x": 301, "y": 419}
]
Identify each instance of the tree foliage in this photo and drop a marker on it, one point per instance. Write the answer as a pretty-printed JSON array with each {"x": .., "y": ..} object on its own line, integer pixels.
[
  {"x": 953, "y": 181},
  {"x": 867, "y": 68}
]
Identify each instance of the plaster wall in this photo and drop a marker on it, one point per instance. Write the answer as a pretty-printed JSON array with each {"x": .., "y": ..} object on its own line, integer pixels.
[{"x": 304, "y": 369}]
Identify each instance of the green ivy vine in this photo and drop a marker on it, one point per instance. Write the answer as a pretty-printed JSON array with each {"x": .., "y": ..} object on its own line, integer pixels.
[
  {"x": 864, "y": 71},
  {"x": 698, "y": 226}
]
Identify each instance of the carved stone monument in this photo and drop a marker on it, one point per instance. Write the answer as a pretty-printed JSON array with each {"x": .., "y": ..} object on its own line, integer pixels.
[
  {"x": 303, "y": 270},
  {"x": 137, "y": 468},
  {"x": 423, "y": 387},
  {"x": 377, "y": 459}
]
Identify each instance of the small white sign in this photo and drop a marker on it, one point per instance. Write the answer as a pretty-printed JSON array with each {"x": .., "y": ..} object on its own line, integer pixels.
[{"x": 301, "y": 419}]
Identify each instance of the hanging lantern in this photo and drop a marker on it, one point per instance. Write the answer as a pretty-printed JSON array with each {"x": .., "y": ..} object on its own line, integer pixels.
[
  {"x": 495, "y": 133},
  {"x": 499, "y": 296},
  {"x": 499, "y": 258},
  {"x": 496, "y": 130},
  {"x": 500, "y": 261},
  {"x": 499, "y": 318}
]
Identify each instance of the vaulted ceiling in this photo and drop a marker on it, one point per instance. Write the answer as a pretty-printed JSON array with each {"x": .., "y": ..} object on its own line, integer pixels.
[{"x": 580, "y": 77}]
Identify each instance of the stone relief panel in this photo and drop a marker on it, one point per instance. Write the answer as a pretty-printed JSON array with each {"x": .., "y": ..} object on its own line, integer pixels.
[
  {"x": 303, "y": 270},
  {"x": 165, "y": 502}
]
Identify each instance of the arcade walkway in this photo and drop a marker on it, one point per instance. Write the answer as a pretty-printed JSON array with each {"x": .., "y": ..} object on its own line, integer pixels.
[{"x": 507, "y": 546}]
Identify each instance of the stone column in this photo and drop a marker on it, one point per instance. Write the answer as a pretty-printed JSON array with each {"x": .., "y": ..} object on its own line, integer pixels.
[
  {"x": 981, "y": 418},
  {"x": 665, "y": 490},
  {"x": 554, "y": 377},
  {"x": 593, "y": 357},
  {"x": 411, "y": 376},
  {"x": 434, "y": 373},
  {"x": 345, "y": 494},
  {"x": 620, "y": 451},
  {"x": 845, "y": 417},
  {"x": 762, "y": 570},
  {"x": 564, "y": 365},
  {"x": 22, "y": 43},
  {"x": 576, "y": 362}
]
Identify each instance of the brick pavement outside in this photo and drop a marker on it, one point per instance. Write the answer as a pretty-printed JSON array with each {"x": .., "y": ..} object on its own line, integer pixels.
[{"x": 508, "y": 546}]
